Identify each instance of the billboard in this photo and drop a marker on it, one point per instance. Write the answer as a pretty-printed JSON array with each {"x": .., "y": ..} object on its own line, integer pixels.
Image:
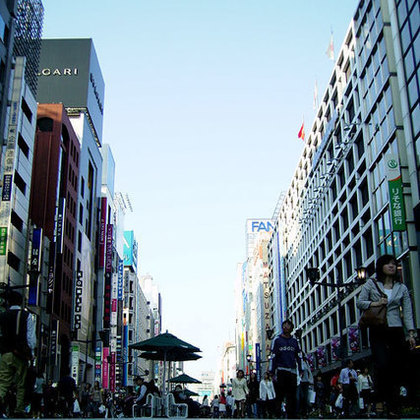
[
  {"x": 69, "y": 73},
  {"x": 257, "y": 229},
  {"x": 130, "y": 250}
]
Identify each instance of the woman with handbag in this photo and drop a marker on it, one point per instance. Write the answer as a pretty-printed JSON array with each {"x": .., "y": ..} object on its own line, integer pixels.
[{"x": 388, "y": 342}]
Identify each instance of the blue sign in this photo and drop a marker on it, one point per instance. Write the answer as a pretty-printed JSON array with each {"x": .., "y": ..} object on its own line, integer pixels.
[
  {"x": 258, "y": 226},
  {"x": 34, "y": 266},
  {"x": 120, "y": 279},
  {"x": 258, "y": 360}
]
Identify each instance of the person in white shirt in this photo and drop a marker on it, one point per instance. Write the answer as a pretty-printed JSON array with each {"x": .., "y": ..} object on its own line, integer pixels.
[
  {"x": 267, "y": 395},
  {"x": 365, "y": 388},
  {"x": 348, "y": 379}
]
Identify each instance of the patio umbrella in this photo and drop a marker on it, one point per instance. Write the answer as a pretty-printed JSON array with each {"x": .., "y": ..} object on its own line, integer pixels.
[
  {"x": 172, "y": 356},
  {"x": 164, "y": 341},
  {"x": 189, "y": 393},
  {"x": 184, "y": 379},
  {"x": 166, "y": 346}
]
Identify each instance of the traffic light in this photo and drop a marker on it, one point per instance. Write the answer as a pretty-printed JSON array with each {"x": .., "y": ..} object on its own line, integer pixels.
[{"x": 104, "y": 337}]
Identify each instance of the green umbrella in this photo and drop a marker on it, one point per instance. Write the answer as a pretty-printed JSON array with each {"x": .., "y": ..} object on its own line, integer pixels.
[
  {"x": 171, "y": 356},
  {"x": 165, "y": 346},
  {"x": 184, "y": 379},
  {"x": 189, "y": 393},
  {"x": 165, "y": 341}
]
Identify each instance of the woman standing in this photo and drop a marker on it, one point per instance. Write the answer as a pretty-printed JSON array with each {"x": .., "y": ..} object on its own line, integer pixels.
[
  {"x": 365, "y": 388},
  {"x": 267, "y": 396},
  {"x": 240, "y": 391},
  {"x": 389, "y": 343},
  {"x": 254, "y": 392}
]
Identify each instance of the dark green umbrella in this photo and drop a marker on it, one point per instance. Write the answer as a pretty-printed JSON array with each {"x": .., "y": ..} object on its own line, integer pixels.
[
  {"x": 189, "y": 393},
  {"x": 166, "y": 346},
  {"x": 184, "y": 379},
  {"x": 165, "y": 341},
  {"x": 171, "y": 356}
]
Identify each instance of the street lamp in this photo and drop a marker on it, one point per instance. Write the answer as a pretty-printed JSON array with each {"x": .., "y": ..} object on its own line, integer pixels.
[{"x": 313, "y": 275}]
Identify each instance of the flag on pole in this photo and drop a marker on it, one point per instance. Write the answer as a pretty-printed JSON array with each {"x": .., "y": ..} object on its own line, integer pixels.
[
  {"x": 330, "y": 49},
  {"x": 315, "y": 106},
  {"x": 301, "y": 134}
]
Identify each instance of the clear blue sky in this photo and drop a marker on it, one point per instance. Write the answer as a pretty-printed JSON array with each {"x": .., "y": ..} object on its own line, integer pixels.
[{"x": 203, "y": 103}]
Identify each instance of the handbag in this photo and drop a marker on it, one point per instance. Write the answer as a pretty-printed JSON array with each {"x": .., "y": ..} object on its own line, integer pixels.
[{"x": 374, "y": 316}]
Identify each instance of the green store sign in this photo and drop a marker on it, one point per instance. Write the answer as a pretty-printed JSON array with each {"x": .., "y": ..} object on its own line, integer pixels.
[{"x": 396, "y": 199}]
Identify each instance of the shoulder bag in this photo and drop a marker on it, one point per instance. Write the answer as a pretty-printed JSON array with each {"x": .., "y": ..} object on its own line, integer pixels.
[{"x": 374, "y": 316}]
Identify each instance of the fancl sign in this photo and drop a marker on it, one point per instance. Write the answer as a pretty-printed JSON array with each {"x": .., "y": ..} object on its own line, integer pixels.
[{"x": 258, "y": 226}]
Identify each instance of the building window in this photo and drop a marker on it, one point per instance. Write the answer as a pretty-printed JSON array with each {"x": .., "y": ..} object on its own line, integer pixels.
[
  {"x": 23, "y": 145},
  {"x": 13, "y": 261},
  {"x": 26, "y": 110},
  {"x": 20, "y": 183}
]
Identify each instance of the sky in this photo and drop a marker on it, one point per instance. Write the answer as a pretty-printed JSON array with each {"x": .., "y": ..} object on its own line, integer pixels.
[{"x": 203, "y": 103}]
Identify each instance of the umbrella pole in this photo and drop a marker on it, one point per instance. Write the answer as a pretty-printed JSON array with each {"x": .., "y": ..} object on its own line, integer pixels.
[{"x": 164, "y": 374}]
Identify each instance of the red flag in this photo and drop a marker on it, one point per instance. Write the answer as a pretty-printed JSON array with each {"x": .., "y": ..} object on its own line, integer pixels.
[{"x": 301, "y": 134}]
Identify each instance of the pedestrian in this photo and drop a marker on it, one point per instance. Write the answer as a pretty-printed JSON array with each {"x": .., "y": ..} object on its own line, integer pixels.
[
  {"x": 389, "y": 344},
  {"x": 37, "y": 402},
  {"x": 86, "y": 399},
  {"x": 240, "y": 392},
  {"x": 66, "y": 390},
  {"x": 97, "y": 399},
  {"x": 230, "y": 404},
  {"x": 222, "y": 404},
  {"x": 348, "y": 380},
  {"x": 17, "y": 343},
  {"x": 215, "y": 407},
  {"x": 267, "y": 396},
  {"x": 365, "y": 388},
  {"x": 320, "y": 395},
  {"x": 285, "y": 350},
  {"x": 306, "y": 382},
  {"x": 253, "y": 395},
  {"x": 205, "y": 407}
]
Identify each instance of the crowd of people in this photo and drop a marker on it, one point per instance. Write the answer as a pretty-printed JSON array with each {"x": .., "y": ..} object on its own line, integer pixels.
[{"x": 288, "y": 390}]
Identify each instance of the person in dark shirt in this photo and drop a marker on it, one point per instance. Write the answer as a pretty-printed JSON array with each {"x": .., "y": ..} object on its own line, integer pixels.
[{"x": 284, "y": 364}]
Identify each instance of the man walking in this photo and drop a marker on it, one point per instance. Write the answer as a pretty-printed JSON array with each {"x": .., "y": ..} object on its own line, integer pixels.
[
  {"x": 17, "y": 342},
  {"x": 285, "y": 350},
  {"x": 348, "y": 379}
]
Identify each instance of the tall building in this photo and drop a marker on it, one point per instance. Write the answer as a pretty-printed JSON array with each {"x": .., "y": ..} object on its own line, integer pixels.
[
  {"x": 53, "y": 205},
  {"x": 342, "y": 210},
  {"x": 70, "y": 74},
  {"x": 16, "y": 166}
]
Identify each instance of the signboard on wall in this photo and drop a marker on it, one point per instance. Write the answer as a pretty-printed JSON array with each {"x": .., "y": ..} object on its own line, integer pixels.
[{"x": 395, "y": 187}]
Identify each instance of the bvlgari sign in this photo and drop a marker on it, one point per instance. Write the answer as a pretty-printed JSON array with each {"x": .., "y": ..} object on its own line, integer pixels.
[
  {"x": 59, "y": 72},
  {"x": 69, "y": 73}
]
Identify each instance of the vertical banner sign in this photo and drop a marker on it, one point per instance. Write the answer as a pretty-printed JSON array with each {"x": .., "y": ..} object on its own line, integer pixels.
[
  {"x": 35, "y": 266},
  {"x": 335, "y": 344},
  {"x": 102, "y": 233},
  {"x": 3, "y": 240},
  {"x": 258, "y": 360},
  {"x": 98, "y": 366},
  {"x": 353, "y": 333},
  {"x": 396, "y": 199},
  {"x": 6, "y": 194},
  {"x": 125, "y": 354},
  {"x": 78, "y": 294},
  {"x": 311, "y": 362},
  {"x": 112, "y": 372},
  {"x": 320, "y": 357},
  {"x": 59, "y": 235},
  {"x": 75, "y": 363},
  {"x": 53, "y": 341},
  {"x": 108, "y": 277},
  {"x": 120, "y": 278},
  {"x": 105, "y": 367},
  {"x": 50, "y": 283}
]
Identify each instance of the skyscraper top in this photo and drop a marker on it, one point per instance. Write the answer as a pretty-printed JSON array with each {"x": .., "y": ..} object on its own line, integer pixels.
[{"x": 69, "y": 73}]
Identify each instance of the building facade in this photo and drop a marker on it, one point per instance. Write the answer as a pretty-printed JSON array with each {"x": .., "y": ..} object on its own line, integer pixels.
[{"x": 342, "y": 211}]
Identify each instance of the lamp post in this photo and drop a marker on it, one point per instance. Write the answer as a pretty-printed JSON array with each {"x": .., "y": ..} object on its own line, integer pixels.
[{"x": 313, "y": 275}]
